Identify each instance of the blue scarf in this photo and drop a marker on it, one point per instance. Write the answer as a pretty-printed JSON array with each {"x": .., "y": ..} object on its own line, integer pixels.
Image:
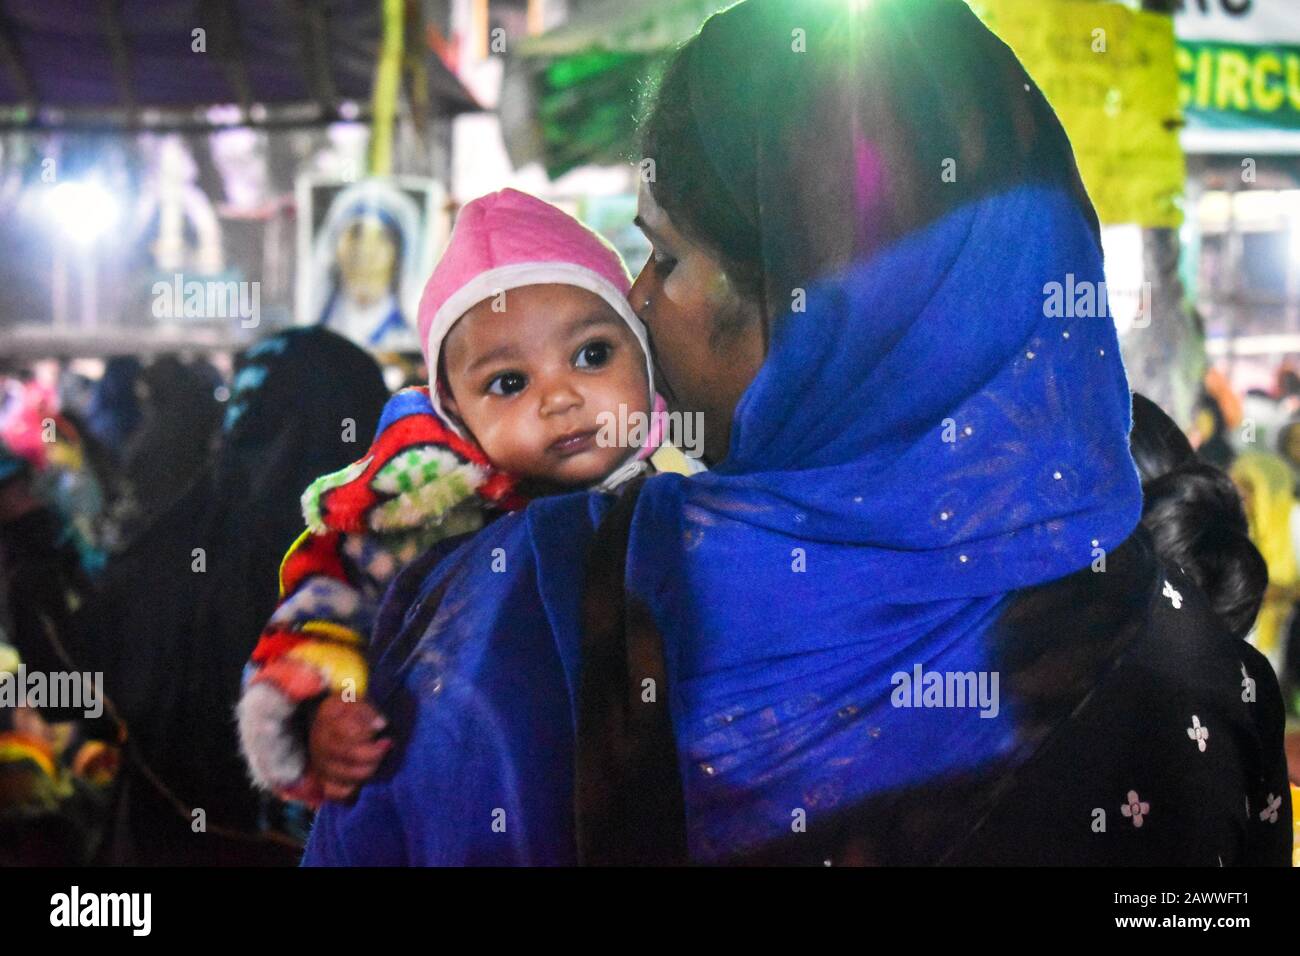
[{"x": 923, "y": 440}]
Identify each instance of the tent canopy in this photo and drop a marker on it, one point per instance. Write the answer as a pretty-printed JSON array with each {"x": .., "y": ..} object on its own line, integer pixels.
[{"x": 150, "y": 62}]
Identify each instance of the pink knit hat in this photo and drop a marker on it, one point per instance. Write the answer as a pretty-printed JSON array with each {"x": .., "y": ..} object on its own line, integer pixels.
[{"x": 509, "y": 239}]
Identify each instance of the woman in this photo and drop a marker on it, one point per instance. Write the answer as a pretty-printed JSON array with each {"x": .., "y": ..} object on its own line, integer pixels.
[
  {"x": 115, "y": 412},
  {"x": 173, "y": 443},
  {"x": 857, "y": 212},
  {"x": 364, "y": 264},
  {"x": 181, "y": 608}
]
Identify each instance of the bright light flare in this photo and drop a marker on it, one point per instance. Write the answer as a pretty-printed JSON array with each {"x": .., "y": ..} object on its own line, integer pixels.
[{"x": 83, "y": 210}]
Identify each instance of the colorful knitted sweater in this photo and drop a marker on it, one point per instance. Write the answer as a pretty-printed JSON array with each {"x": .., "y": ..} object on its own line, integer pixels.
[{"x": 418, "y": 483}]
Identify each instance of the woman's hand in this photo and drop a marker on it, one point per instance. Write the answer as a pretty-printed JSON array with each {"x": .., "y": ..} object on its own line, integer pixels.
[{"x": 342, "y": 748}]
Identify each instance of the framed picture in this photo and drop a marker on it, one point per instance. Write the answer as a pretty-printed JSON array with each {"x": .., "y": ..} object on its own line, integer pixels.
[{"x": 365, "y": 250}]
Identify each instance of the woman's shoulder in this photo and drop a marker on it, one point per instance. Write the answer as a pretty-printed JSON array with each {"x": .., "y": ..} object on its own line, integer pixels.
[
  {"x": 477, "y": 680},
  {"x": 1184, "y": 635},
  {"x": 1185, "y": 648},
  {"x": 1156, "y": 736},
  {"x": 1127, "y": 606},
  {"x": 457, "y": 596},
  {"x": 1193, "y": 667},
  {"x": 1132, "y": 616}
]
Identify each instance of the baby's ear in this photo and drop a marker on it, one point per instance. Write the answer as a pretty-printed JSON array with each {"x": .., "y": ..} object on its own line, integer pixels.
[
  {"x": 450, "y": 408},
  {"x": 445, "y": 398}
]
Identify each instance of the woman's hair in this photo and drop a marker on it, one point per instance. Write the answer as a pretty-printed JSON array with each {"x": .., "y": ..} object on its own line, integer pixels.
[
  {"x": 699, "y": 203},
  {"x": 790, "y": 165},
  {"x": 1157, "y": 443},
  {"x": 1196, "y": 520}
]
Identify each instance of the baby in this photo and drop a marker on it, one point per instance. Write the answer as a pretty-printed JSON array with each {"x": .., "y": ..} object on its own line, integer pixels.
[{"x": 532, "y": 349}]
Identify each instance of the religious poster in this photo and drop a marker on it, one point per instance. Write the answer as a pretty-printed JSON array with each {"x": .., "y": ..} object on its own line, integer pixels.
[{"x": 365, "y": 250}]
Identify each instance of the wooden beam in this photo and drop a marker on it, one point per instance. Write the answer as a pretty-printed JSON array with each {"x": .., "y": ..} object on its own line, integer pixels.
[
  {"x": 111, "y": 11},
  {"x": 163, "y": 121},
  {"x": 222, "y": 23},
  {"x": 416, "y": 55},
  {"x": 12, "y": 61},
  {"x": 314, "y": 52}
]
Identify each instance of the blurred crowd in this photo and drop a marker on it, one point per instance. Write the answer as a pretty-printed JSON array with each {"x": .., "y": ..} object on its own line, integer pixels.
[
  {"x": 143, "y": 516},
  {"x": 1255, "y": 438}
]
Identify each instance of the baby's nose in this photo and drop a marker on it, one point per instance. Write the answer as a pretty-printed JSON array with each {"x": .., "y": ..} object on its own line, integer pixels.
[{"x": 560, "y": 398}]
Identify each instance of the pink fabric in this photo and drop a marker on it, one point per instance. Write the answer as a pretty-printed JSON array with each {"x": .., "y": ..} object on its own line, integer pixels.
[
  {"x": 510, "y": 228},
  {"x": 22, "y": 421},
  {"x": 656, "y": 436}
]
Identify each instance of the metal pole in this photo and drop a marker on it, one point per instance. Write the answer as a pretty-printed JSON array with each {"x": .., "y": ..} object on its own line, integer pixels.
[
  {"x": 89, "y": 287},
  {"x": 59, "y": 283}
]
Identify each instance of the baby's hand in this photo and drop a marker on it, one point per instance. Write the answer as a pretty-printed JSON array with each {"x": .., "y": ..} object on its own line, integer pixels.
[{"x": 342, "y": 748}]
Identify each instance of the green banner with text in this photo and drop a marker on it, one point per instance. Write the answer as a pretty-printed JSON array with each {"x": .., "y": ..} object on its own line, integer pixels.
[
  {"x": 1239, "y": 86},
  {"x": 1239, "y": 70}
]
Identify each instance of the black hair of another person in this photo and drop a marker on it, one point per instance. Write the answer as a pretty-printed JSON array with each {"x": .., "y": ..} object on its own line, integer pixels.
[{"x": 1196, "y": 520}]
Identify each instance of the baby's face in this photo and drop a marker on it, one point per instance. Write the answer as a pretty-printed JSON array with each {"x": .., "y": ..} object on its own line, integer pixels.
[{"x": 529, "y": 381}]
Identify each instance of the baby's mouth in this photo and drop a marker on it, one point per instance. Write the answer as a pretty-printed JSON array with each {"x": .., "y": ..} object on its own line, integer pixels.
[{"x": 574, "y": 443}]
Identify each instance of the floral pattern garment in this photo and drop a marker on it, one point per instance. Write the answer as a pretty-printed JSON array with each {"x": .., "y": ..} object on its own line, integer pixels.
[{"x": 1172, "y": 756}]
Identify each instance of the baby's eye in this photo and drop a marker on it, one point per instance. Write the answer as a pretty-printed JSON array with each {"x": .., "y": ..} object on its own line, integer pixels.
[
  {"x": 593, "y": 355},
  {"x": 507, "y": 383}
]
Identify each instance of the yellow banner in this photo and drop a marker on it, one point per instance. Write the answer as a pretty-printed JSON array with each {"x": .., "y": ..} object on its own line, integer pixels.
[{"x": 1110, "y": 73}]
